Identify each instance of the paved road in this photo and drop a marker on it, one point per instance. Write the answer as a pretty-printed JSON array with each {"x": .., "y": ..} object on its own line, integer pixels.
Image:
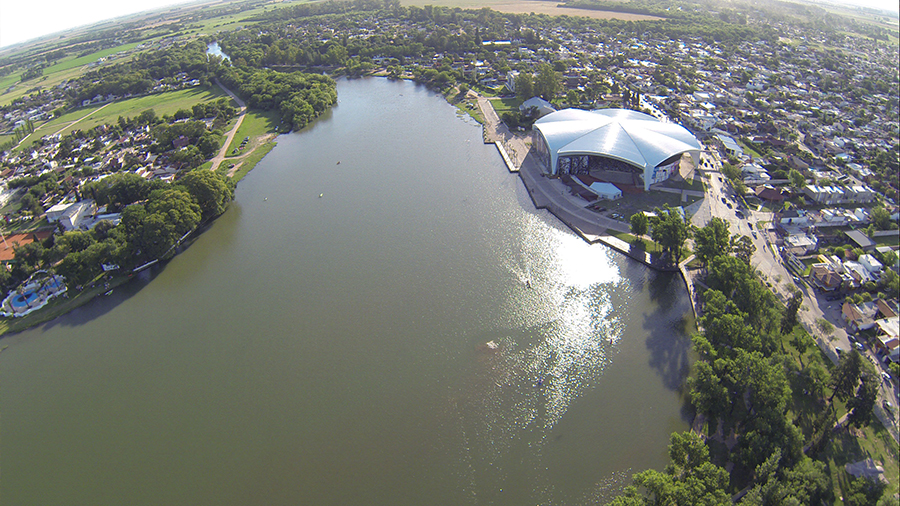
[{"x": 768, "y": 263}]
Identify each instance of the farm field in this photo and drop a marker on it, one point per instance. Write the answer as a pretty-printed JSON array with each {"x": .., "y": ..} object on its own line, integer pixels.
[{"x": 536, "y": 7}]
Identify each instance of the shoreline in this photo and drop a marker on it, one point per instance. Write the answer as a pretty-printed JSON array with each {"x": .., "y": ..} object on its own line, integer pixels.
[{"x": 550, "y": 194}]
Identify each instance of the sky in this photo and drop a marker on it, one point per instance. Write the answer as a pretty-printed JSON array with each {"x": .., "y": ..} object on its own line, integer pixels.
[{"x": 21, "y": 20}]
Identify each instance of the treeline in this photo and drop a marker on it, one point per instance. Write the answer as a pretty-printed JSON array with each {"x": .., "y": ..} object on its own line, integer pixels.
[
  {"x": 743, "y": 386},
  {"x": 155, "y": 216},
  {"x": 298, "y": 96},
  {"x": 328, "y": 7}
]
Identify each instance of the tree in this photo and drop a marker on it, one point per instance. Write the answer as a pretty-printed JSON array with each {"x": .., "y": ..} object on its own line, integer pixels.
[
  {"x": 690, "y": 478},
  {"x": 639, "y": 223},
  {"x": 547, "y": 82},
  {"x": 796, "y": 178},
  {"x": 708, "y": 395},
  {"x": 524, "y": 86},
  {"x": 178, "y": 207},
  {"x": 881, "y": 218},
  {"x": 789, "y": 317},
  {"x": 211, "y": 191},
  {"x": 712, "y": 240},
  {"x": 845, "y": 376},
  {"x": 670, "y": 230},
  {"x": 862, "y": 405}
]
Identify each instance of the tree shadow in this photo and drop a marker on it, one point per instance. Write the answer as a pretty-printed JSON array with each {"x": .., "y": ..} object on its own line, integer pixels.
[{"x": 668, "y": 328}]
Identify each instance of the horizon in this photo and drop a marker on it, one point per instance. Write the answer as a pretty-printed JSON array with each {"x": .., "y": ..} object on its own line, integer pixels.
[{"x": 58, "y": 16}]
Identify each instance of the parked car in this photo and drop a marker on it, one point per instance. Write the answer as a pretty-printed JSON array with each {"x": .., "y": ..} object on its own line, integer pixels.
[
  {"x": 859, "y": 346},
  {"x": 885, "y": 376}
]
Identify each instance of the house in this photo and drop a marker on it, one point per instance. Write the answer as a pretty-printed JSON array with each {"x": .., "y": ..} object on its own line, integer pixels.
[
  {"x": 870, "y": 263},
  {"x": 825, "y": 278},
  {"x": 861, "y": 240},
  {"x": 859, "y": 316},
  {"x": 753, "y": 173},
  {"x": 800, "y": 244},
  {"x": 767, "y": 192},
  {"x": 541, "y": 107},
  {"x": 732, "y": 148},
  {"x": 885, "y": 310},
  {"x": 887, "y": 339},
  {"x": 77, "y": 213},
  {"x": 55, "y": 213}
]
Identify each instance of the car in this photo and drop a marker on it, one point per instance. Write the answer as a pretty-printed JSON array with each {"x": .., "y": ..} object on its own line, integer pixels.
[
  {"x": 753, "y": 232},
  {"x": 728, "y": 204},
  {"x": 859, "y": 346},
  {"x": 724, "y": 201},
  {"x": 749, "y": 224},
  {"x": 851, "y": 337},
  {"x": 839, "y": 350},
  {"x": 888, "y": 406},
  {"x": 885, "y": 376}
]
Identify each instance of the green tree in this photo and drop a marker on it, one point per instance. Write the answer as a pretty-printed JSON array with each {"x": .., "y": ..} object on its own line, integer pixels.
[
  {"x": 789, "y": 317},
  {"x": 670, "y": 230},
  {"x": 211, "y": 191},
  {"x": 524, "y": 86},
  {"x": 639, "y": 224},
  {"x": 845, "y": 376},
  {"x": 180, "y": 210},
  {"x": 796, "y": 178},
  {"x": 881, "y": 218},
  {"x": 546, "y": 82},
  {"x": 862, "y": 405},
  {"x": 712, "y": 240}
]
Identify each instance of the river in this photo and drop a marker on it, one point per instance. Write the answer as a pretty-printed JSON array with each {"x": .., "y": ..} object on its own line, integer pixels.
[{"x": 324, "y": 342}]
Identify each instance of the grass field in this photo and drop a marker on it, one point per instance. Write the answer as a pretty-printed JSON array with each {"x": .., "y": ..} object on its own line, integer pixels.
[
  {"x": 502, "y": 105},
  {"x": 6, "y": 82},
  {"x": 45, "y": 82},
  {"x": 252, "y": 160},
  {"x": 67, "y": 64},
  {"x": 255, "y": 124},
  {"x": 162, "y": 103}
]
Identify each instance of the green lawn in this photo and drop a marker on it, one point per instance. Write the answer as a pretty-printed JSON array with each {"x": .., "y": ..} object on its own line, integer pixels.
[
  {"x": 6, "y": 82},
  {"x": 888, "y": 241},
  {"x": 162, "y": 103},
  {"x": 502, "y": 105},
  {"x": 71, "y": 63},
  {"x": 252, "y": 160},
  {"x": 255, "y": 124}
]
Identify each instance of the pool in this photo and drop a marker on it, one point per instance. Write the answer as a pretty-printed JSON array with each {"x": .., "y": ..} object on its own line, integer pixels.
[{"x": 22, "y": 301}]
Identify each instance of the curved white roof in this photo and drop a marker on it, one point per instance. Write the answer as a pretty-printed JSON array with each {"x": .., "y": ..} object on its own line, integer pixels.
[{"x": 630, "y": 136}]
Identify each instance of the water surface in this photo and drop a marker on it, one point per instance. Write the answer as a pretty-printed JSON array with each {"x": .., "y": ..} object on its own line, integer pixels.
[{"x": 325, "y": 342}]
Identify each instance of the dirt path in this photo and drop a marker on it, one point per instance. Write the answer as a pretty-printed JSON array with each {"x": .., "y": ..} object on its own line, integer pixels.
[{"x": 217, "y": 160}]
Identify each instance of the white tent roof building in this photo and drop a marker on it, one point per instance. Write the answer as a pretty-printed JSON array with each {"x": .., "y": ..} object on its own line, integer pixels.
[{"x": 638, "y": 139}]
